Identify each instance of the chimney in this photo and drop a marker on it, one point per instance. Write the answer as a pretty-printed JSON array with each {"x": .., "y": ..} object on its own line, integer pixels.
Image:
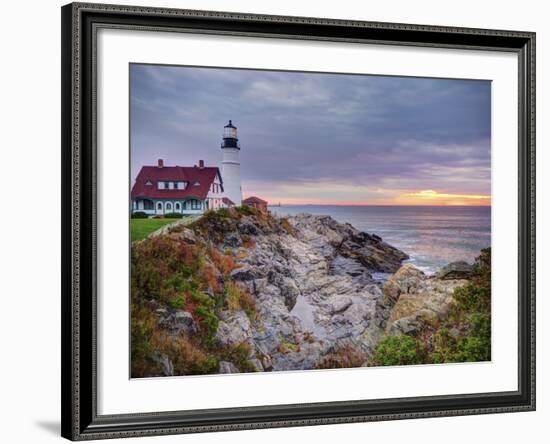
[
  {"x": 201, "y": 163},
  {"x": 161, "y": 163}
]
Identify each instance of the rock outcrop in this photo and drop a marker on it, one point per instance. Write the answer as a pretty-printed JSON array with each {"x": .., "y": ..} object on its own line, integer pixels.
[
  {"x": 313, "y": 287},
  {"x": 456, "y": 270},
  {"x": 417, "y": 300}
]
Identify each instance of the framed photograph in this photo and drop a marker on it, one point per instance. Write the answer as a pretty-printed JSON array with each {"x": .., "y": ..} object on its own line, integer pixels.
[{"x": 281, "y": 221}]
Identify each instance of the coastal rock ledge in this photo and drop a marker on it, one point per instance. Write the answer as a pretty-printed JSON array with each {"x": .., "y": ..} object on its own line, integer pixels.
[
  {"x": 318, "y": 301},
  {"x": 314, "y": 288}
]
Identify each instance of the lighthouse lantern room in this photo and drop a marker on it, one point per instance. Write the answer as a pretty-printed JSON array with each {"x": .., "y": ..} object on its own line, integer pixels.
[{"x": 230, "y": 136}]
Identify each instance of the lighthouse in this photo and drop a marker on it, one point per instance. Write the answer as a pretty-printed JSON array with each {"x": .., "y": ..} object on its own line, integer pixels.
[{"x": 231, "y": 166}]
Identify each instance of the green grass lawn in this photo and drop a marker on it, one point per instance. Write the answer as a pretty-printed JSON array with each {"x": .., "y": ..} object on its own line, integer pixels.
[{"x": 141, "y": 228}]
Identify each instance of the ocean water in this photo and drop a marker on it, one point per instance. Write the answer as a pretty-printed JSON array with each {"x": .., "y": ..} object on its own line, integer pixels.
[{"x": 431, "y": 236}]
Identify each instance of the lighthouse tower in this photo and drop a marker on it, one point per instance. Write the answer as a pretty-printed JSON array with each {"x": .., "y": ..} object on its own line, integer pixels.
[{"x": 231, "y": 166}]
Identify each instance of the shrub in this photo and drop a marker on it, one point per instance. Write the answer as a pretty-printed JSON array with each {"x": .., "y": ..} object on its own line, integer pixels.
[
  {"x": 232, "y": 296},
  {"x": 173, "y": 215},
  {"x": 223, "y": 212},
  {"x": 286, "y": 346},
  {"x": 474, "y": 346},
  {"x": 143, "y": 328},
  {"x": 237, "y": 298},
  {"x": 223, "y": 262},
  {"x": 398, "y": 350},
  {"x": 211, "y": 278},
  {"x": 239, "y": 355},
  {"x": 186, "y": 356},
  {"x": 161, "y": 268},
  {"x": 346, "y": 356},
  {"x": 201, "y": 298},
  {"x": 473, "y": 349},
  {"x": 285, "y": 224},
  {"x": 139, "y": 215},
  {"x": 177, "y": 302},
  {"x": 208, "y": 322},
  {"x": 143, "y": 324},
  {"x": 246, "y": 210},
  {"x": 472, "y": 298}
]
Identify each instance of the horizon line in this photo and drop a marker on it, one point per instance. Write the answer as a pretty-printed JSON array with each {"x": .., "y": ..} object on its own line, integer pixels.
[{"x": 282, "y": 204}]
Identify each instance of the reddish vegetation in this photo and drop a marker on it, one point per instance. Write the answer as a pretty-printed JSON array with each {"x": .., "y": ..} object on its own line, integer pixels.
[
  {"x": 223, "y": 262},
  {"x": 194, "y": 276}
]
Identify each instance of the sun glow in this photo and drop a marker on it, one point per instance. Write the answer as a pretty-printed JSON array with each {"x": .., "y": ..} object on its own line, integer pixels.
[{"x": 431, "y": 194}]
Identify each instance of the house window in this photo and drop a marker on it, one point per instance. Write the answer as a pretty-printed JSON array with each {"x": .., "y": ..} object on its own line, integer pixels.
[
  {"x": 195, "y": 204},
  {"x": 176, "y": 185},
  {"x": 148, "y": 183},
  {"x": 148, "y": 205},
  {"x": 166, "y": 185},
  {"x": 168, "y": 206},
  {"x": 159, "y": 206},
  {"x": 178, "y": 206}
]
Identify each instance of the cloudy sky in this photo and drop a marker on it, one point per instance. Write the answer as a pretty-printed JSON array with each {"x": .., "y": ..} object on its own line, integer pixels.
[{"x": 321, "y": 138}]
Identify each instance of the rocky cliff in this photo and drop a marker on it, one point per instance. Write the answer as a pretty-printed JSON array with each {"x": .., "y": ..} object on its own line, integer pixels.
[{"x": 286, "y": 293}]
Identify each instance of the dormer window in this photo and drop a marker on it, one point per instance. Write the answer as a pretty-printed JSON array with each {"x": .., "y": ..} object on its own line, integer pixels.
[
  {"x": 196, "y": 184},
  {"x": 170, "y": 185},
  {"x": 148, "y": 183}
]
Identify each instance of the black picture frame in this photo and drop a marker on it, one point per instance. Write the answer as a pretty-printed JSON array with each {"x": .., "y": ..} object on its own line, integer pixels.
[{"x": 79, "y": 396}]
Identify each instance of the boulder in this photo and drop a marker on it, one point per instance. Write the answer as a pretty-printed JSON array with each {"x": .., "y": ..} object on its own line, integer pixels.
[
  {"x": 248, "y": 227},
  {"x": 257, "y": 364},
  {"x": 455, "y": 270},
  {"x": 177, "y": 321},
  {"x": 405, "y": 280},
  {"x": 232, "y": 240},
  {"x": 417, "y": 301},
  {"x": 340, "y": 304},
  {"x": 370, "y": 251},
  {"x": 409, "y": 325},
  {"x": 266, "y": 362},
  {"x": 233, "y": 328},
  {"x": 227, "y": 367},
  {"x": 181, "y": 233},
  {"x": 248, "y": 273},
  {"x": 164, "y": 362}
]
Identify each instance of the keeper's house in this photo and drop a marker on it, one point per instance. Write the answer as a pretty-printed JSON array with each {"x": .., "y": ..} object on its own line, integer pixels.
[{"x": 163, "y": 189}]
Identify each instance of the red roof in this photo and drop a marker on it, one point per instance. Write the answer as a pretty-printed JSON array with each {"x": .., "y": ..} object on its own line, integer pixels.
[
  {"x": 198, "y": 181},
  {"x": 254, "y": 199}
]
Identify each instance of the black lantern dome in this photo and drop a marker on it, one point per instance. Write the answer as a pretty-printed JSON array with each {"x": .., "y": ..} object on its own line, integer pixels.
[{"x": 230, "y": 139}]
